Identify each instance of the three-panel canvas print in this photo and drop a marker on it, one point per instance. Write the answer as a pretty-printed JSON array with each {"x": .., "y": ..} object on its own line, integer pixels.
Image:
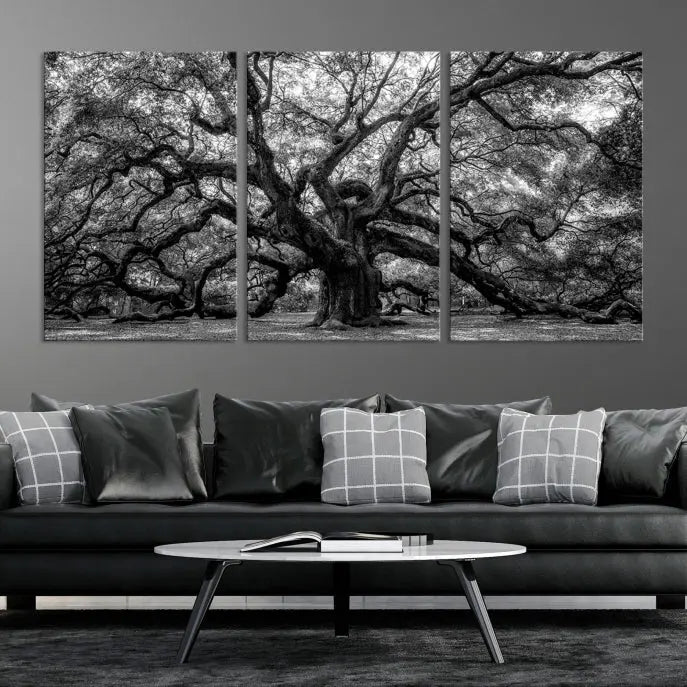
[{"x": 374, "y": 190}]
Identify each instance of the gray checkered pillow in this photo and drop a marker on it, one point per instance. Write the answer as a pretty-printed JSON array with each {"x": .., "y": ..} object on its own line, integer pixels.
[
  {"x": 47, "y": 459},
  {"x": 549, "y": 458},
  {"x": 374, "y": 457}
]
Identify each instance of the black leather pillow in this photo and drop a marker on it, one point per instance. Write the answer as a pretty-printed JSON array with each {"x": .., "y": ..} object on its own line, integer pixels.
[
  {"x": 639, "y": 449},
  {"x": 270, "y": 449},
  {"x": 130, "y": 454},
  {"x": 184, "y": 408},
  {"x": 462, "y": 453}
]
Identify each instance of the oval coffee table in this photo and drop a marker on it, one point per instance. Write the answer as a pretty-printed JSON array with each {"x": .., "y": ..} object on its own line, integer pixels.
[{"x": 455, "y": 554}]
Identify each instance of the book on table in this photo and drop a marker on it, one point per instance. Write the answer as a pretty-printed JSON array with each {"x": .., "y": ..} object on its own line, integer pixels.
[{"x": 333, "y": 542}]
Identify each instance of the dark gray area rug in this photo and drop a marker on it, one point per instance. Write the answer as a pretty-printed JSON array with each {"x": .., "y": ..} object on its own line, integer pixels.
[{"x": 132, "y": 648}]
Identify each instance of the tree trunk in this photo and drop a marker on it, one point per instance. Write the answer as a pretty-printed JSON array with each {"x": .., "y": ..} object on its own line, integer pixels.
[
  {"x": 323, "y": 302},
  {"x": 349, "y": 296},
  {"x": 274, "y": 287}
]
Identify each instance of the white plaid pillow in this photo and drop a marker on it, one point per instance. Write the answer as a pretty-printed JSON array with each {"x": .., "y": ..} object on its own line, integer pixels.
[
  {"x": 374, "y": 457},
  {"x": 549, "y": 458},
  {"x": 47, "y": 458}
]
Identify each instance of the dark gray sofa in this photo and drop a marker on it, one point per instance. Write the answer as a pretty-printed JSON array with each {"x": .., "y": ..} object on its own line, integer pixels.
[{"x": 620, "y": 548}]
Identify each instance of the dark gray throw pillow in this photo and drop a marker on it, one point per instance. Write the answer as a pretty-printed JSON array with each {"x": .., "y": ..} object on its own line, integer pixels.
[
  {"x": 272, "y": 449},
  {"x": 639, "y": 449},
  {"x": 462, "y": 453},
  {"x": 130, "y": 454},
  {"x": 184, "y": 407}
]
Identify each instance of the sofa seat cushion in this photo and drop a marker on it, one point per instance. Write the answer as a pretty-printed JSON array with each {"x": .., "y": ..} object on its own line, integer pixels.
[{"x": 132, "y": 525}]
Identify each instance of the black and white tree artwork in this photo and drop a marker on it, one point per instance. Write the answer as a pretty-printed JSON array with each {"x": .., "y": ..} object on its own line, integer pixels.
[
  {"x": 140, "y": 198},
  {"x": 546, "y": 195},
  {"x": 343, "y": 195},
  {"x": 343, "y": 202}
]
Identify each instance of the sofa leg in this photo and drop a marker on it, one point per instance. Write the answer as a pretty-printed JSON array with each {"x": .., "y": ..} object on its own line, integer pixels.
[
  {"x": 342, "y": 598},
  {"x": 21, "y": 602},
  {"x": 670, "y": 601}
]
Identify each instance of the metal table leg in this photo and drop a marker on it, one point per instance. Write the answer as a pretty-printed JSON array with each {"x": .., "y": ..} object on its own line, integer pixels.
[
  {"x": 213, "y": 574},
  {"x": 466, "y": 576}
]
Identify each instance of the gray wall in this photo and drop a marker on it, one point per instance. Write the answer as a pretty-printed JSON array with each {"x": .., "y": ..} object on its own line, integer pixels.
[{"x": 574, "y": 374}]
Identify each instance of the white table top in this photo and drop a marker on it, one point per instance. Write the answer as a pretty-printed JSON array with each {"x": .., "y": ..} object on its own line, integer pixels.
[{"x": 442, "y": 549}]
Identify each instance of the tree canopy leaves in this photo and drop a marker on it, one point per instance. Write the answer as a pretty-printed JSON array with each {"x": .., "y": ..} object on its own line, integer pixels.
[
  {"x": 344, "y": 166},
  {"x": 140, "y": 171},
  {"x": 546, "y": 159}
]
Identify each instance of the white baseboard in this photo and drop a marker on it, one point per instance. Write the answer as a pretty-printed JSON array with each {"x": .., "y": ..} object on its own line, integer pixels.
[
  {"x": 60, "y": 603},
  {"x": 144, "y": 603},
  {"x": 414, "y": 602},
  {"x": 325, "y": 602},
  {"x": 570, "y": 602}
]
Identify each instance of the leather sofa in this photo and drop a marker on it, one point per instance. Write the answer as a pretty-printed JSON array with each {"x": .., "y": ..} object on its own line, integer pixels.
[{"x": 619, "y": 548}]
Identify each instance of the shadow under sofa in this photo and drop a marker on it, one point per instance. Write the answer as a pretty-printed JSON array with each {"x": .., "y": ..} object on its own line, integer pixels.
[{"x": 67, "y": 549}]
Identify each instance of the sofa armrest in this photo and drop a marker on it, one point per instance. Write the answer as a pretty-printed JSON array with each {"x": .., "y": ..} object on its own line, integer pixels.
[
  {"x": 7, "y": 491},
  {"x": 682, "y": 473}
]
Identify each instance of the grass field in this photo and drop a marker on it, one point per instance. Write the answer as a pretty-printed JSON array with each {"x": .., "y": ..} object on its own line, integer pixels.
[
  {"x": 104, "y": 330},
  {"x": 292, "y": 327},
  {"x": 498, "y": 328}
]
